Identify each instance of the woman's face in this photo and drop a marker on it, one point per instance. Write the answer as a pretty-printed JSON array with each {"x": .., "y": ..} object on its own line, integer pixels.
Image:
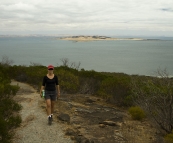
[{"x": 50, "y": 70}]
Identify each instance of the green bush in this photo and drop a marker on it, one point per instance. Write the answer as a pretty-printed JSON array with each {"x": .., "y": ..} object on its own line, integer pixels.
[
  {"x": 69, "y": 83},
  {"x": 137, "y": 113},
  {"x": 9, "y": 119},
  {"x": 92, "y": 74},
  {"x": 116, "y": 89},
  {"x": 114, "y": 86},
  {"x": 169, "y": 138},
  {"x": 155, "y": 96}
]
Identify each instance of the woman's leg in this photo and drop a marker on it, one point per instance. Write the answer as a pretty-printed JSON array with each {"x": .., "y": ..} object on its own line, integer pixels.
[
  {"x": 53, "y": 99},
  {"x": 52, "y": 106},
  {"x": 48, "y": 105}
]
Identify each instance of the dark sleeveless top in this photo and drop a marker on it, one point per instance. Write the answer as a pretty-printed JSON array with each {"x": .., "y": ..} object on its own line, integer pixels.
[{"x": 50, "y": 84}]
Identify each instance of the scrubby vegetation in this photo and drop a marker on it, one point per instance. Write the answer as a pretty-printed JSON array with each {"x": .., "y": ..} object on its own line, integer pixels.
[
  {"x": 155, "y": 95},
  {"x": 9, "y": 119},
  {"x": 113, "y": 87},
  {"x": 151, "y": 94},
  {"x": 116, "y": 89},
  {"x": 169, "y": 138},
  {"x": 137, "y": 113}
]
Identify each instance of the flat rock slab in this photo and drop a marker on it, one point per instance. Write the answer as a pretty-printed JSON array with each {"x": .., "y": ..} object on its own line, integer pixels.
[
  {"x": 109, "y": 123},
  {"x": 64, "y": 117}
]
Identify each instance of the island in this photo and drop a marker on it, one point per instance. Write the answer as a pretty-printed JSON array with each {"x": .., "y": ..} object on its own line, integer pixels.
[{"x": 95, "y": 38}]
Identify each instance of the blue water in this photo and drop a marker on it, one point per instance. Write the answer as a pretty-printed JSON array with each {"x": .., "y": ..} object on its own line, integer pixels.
[{"x": 131, "y": 57}]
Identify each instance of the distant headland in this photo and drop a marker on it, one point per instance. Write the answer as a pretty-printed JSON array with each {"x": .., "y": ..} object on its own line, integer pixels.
[
  {"x": 83, "y": 38},
  {"x": 95, "y": 38}
]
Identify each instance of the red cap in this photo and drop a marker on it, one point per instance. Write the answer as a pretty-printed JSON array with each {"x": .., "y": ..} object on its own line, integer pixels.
[{"x": 50, "y": 67}]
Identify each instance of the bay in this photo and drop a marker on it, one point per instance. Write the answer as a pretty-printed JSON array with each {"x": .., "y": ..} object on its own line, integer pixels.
[{"x": 130, "y": 57}]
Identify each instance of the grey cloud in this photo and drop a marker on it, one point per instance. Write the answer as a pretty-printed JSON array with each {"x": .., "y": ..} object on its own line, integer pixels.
[
  {"x": 167, "y": 9},
  {"x": 90, "y": 14}
]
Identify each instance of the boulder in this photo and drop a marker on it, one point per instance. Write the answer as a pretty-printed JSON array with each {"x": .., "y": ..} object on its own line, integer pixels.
[
  {"x": 70, "y": 132},
  {"x": 64, "y": 117},
  {"x": 90, "y": 100}
]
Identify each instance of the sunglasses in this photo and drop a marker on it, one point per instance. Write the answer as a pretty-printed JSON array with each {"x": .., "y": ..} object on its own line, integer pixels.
[{"x": 50, "y": 69}]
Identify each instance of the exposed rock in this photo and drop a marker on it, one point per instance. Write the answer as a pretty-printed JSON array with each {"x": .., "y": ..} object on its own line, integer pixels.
[
  {"x": 64, "y": 117},
  {"x": 77, "y": 136},
  {"x": 83, "y": 110},
  {"x": 119, "y": 124},
  {"x": 81, "y": 139},
  {"x": 119, "y": 137},
  {"x": 109, "y": 123},
  {"x": 100, "y": 122},
  {"x": 116, "y": 118},
  {"x": 90, "y": 100},
  {"x": 70, "y": 132},
  {"x": 102, "y": 125},
  {"x": 77, "y": 126}
]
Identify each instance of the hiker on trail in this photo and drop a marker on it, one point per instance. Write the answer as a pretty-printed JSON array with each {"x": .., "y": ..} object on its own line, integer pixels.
[{"x": 52, "y": 91}]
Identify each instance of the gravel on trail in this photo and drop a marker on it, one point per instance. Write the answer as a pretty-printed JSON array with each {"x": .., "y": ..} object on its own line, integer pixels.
[{"x": 34, "y": 127}]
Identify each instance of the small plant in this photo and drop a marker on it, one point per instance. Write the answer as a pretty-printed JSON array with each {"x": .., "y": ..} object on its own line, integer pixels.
[
  {"x": 137, "y": 113},
  {"x": 169, "y": 138}
]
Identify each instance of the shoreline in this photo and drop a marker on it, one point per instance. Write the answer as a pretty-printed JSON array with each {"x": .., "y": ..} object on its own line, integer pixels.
[{"x": 97, "y": 38}]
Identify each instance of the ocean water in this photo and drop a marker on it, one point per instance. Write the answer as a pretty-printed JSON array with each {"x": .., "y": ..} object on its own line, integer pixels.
[{"x": 130, "y": 57}]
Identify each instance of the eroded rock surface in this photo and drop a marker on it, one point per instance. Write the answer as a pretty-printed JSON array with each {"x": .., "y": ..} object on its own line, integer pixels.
[{"x": 92, "y": 120}]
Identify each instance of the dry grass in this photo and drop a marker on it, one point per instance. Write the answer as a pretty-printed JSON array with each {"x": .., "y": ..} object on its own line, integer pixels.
[{"x": 138, "y": 132}]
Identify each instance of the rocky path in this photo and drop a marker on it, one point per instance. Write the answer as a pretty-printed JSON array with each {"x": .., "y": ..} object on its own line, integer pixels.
[
  {"x": 90, "y": 120},
  {"x": 34, "y": 127}
]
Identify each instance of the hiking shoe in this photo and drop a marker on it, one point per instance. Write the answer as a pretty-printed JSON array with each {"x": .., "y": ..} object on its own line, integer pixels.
[
  {"x": 52, "y": 117},
  {"x": 49, "y": 120}
]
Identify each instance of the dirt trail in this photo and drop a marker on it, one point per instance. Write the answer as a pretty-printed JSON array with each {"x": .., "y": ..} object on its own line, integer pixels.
[
  {"x": 92, "y": 120},
  {"x": 34, "y": 127}
]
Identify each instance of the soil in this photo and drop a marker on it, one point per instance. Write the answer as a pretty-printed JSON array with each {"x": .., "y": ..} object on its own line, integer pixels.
[{"x": 79, "y": 118}]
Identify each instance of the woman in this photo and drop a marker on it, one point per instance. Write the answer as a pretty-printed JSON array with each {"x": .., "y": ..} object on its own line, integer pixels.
[{"x": 52, "y": 91}]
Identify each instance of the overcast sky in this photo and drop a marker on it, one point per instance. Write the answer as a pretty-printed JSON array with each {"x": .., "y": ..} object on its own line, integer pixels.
[{"x": 104, "y": 17}]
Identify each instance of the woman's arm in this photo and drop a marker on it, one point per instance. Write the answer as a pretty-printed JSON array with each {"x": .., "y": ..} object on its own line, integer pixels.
[
  {"x": 43, "y": 85},
  {"x": 42, "y": 88},
  {"x": 58, "y": 90},
  {"x": 57, "y": 86}
]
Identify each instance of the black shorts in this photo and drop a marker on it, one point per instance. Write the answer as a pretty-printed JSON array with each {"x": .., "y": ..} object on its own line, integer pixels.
[{"x": 52, "y": 95}]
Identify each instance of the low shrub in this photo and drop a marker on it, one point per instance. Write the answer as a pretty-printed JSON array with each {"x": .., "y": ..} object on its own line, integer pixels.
[
  {"x": 137, "y": 113},
  {"x": 9, "y": 118},
  {"x": 154, "y": 94},
  {"x": 169, "y": 138},
  {"x": 69, "y": 83},
  {"x": 116, "y": 89}
]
